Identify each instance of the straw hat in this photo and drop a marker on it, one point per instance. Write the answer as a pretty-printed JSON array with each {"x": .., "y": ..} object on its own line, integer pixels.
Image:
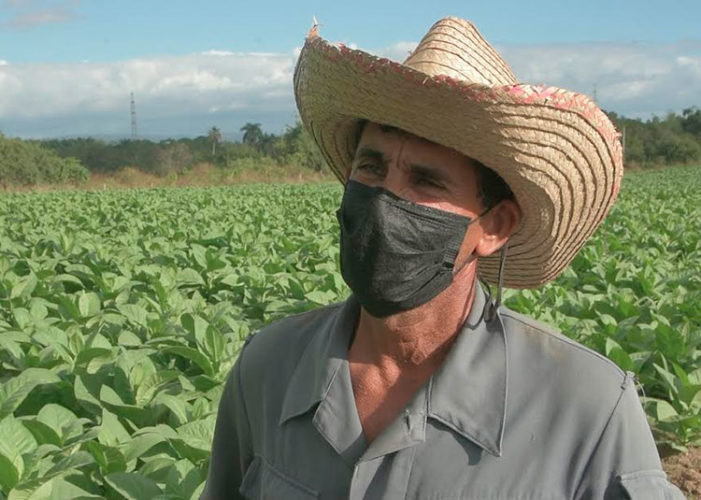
[{"x": 556, "y": 149}]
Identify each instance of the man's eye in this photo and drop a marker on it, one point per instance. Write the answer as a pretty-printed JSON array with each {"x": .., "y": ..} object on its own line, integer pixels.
[
  {"x": 427, "y": 182},
  {"x": 369, "y": 168}
]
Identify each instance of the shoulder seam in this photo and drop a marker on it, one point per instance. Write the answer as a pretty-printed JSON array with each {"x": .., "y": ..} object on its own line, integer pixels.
[{"x": 566, "y": 340}]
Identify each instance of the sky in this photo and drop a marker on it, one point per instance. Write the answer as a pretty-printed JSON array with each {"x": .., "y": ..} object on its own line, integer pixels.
[{"x": 68, "y": 67}]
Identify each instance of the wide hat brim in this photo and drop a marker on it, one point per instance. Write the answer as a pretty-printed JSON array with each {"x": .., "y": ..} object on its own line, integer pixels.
[{"x": 557, "y": 151}]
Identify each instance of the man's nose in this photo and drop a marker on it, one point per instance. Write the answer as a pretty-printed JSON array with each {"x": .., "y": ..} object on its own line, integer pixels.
[{"x": 397, "y": 182}]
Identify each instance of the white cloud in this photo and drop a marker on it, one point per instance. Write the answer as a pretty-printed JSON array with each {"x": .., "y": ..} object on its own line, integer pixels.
[
  {"x": 398, "y": 51},
  {"x": 214, "y": 52},
  {"x": 220, "y": 87},
  {"x": 633, "y": 79},
  {"x": 30, "y": 13},
  {"x": 164, "y": 86},
  {"x": 166, "y": 90},
  {"x": 3, "y": 62}
]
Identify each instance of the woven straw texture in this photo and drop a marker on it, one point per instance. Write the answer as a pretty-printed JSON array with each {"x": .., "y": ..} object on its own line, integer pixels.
[{"x": 555, "y": 148}]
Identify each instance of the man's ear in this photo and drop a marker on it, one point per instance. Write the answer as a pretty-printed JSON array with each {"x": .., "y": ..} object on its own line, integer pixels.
[{"x": 497, "y": 226}]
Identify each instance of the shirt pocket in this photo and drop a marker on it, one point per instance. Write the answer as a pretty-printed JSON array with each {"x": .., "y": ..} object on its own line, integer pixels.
[
  {"x": 649, "y": 485},
  {"x": 262, "y": 481}
]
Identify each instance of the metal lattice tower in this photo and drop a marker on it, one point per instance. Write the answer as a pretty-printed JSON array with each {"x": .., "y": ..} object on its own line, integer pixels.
[{"x": 133, "y": 117}]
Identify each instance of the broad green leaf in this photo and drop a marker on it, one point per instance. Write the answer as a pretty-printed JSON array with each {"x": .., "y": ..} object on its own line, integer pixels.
[
  {"x": 196, "y": 326},
  {"x": 57, "y": 488},
  {"x": 109, "y": 458},
  {"x": 14, "y": 391},
  {"x": 112, "y": 400},
  {"x": 198, "y": 253},
  {"x": 152, "y": 384},
  {"x": 84, "y": 397},
  {"x": 695, "y": 403},
  {"x": 24, "y": 287},
  {"x": 195, "y": 356},
  {"x": 198, "y": 491},
  {"x": 182, "y": 478},
  {"x": 190, "y": 277},
  {"x": 127, "y": 338},
  {"x": 668, "y": 377},
  {"x": 74, "y": 461},
  {"x": 9, "y": 474},
  {"x": 43, "y": 433},
  {"x": 616, "y": 354},
  {"x": 198, "y": 433},
  {"x": 176, "y": 405},
  {"x": 74, "y": 435},
  {"x": 16, "y": 440},
  {"x": 58, "y": 418},
  {"x": 140, "y": 445},
  {"x": 135, "y": 313},
  {"x": 38, "y": 310},
  {"x": 695, "y": 377},
  {"x": 89, "y": 304},
  {"x": 12, "y": 348},
  {"x": 22, "y": 317},
  {"x": 214, "y": 344},
  {"x": 93, "y": 358},
  {"x": 133, "y": 486},
  {"x": 112, "y": 432},
  {"x": 38, "y": 461},
  {"x": 664, "y": 412},
  {"x": 157, "y": 468},
  {"x": 320, "y": 297}
]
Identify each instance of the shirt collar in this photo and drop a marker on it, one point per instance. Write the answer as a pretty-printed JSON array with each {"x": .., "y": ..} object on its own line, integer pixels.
[
  {"x": 326, "y": 352},
  {"x": 467, "y": 394}
]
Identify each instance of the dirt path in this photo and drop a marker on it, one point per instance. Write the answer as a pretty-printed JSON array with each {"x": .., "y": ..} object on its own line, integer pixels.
[{"x": 684, "y": 470}]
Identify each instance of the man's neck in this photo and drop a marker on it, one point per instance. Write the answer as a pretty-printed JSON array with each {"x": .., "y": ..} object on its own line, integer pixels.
[
  {"x": 392, "y": 358},
  {"x": 416, "y": 341}
]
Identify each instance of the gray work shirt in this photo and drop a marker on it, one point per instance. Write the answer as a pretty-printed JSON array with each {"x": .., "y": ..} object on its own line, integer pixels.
[{"x": 516, "y": 412}]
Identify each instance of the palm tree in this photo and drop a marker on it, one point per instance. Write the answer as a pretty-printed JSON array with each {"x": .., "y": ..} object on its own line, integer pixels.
[
  {"x": 252, "y": 134},
  {"x": 214, "y": 135}
]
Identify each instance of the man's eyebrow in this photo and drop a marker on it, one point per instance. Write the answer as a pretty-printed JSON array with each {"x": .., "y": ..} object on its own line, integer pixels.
[
  {"x": 369, "y": 153},
  {"x": 432, "y": 173}
]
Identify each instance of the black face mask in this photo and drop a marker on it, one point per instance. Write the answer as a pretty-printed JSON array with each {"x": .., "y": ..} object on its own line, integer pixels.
[{"x": 396, "y": 255}]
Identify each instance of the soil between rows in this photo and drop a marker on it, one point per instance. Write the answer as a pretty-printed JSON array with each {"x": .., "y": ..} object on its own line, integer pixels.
[{"x": 684, "y": 470}]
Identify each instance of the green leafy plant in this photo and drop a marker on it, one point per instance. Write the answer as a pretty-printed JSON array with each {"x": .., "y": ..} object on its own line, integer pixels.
[{"x": 122, "y": 312}]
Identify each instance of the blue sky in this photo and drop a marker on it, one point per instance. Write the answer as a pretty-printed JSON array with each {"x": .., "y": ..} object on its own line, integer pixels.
[{"x": 67, "y": 66}]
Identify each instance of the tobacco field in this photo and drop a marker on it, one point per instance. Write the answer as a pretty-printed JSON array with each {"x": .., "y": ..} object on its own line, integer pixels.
[{"x": 121, "y": 313}]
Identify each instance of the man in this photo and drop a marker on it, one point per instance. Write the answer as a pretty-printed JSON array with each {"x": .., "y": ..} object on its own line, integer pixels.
[{"x": 421, "y": 385}]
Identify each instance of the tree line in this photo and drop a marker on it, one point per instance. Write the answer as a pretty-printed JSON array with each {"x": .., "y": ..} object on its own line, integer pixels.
[
  {"x": 672, "y": 140},
  {"x": 25, "y": 163},
  {"x": 293, "y": 147}
]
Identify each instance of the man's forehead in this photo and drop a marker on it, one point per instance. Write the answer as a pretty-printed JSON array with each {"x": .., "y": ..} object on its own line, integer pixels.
[
  {"x": 372, "y": 130},
  {"x": 391, "y": 130}
]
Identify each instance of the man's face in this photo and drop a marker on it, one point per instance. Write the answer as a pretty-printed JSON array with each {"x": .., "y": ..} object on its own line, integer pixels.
[
  {"x": 422, "y": 172},
  {"x": 417, "y": 170}
]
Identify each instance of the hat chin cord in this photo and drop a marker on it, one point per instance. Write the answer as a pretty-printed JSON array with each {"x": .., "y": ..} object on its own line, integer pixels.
[{"x": 492, "y": 305}]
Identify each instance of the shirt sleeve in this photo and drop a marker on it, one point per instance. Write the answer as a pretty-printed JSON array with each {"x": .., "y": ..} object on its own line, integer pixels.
[
  {"x": 625, "y": 463},
  {"x": 232, "y": 451}
]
